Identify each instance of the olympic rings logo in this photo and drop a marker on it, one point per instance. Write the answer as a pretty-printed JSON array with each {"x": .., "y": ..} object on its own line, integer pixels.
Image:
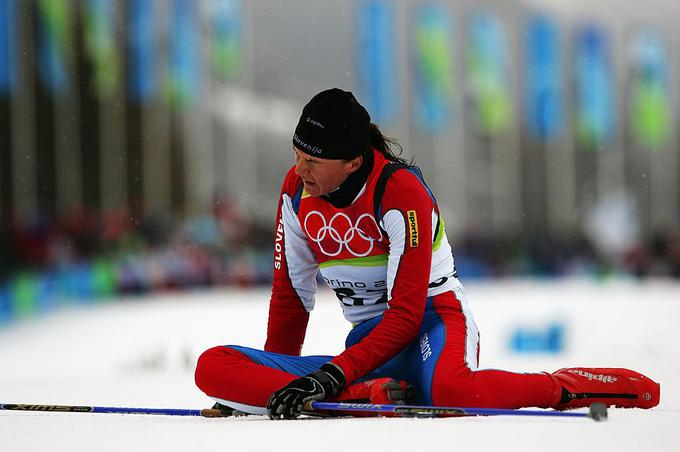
[{"x": 354, "y": 237}]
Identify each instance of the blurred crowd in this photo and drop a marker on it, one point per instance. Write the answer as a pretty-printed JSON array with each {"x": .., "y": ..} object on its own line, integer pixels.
[
  {"x": 85, "y": 255},
  {"x": 478, "y": 256}
]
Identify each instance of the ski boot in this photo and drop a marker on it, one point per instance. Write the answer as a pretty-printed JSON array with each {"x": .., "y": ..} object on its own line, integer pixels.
[{"x": 582, "y": 386}]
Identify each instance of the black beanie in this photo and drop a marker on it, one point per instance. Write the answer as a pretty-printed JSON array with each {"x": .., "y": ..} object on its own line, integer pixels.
[{"x": 333, "y": 125}]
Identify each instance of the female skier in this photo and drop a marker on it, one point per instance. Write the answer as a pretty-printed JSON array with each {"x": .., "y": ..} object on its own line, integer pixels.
[{"x": 364, "y": 218}]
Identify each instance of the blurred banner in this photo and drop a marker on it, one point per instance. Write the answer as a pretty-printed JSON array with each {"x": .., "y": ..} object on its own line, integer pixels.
[
  {"x": 101, "y": 21},
  {"x": 185, "y": 54},
  {"x": 433, "y": 69},
  {"x": 594, "y": 94},
  {"x": 376, "y": 60},
  {"x": 54, "y": 45},
  {"x": 5, "y": 306},
  {"x": 543, "y": 83},
  {"x": 651, "y": 112},
  {"x": 142, "y": 67},
  {"x": 8, "y": 21},
  {"x": 486, "y": 57},
  {"x": 31, "y": 293},
  {"x": 226, "y": 37}
]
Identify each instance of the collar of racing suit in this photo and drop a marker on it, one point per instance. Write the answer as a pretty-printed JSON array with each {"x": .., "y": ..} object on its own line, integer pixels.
[{"x": 346, "y": 193}]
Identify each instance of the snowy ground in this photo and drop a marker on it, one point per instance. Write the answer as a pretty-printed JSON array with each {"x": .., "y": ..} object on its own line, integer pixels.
[{"x": 141, "y": 353}]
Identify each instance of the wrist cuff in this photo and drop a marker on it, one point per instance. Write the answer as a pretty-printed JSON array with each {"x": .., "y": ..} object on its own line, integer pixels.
[{"x": 335, "y": 372}]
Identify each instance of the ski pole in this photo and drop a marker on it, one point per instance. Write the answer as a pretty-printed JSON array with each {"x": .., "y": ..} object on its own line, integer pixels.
[
  {"x": 207, "y": 412},
  {"x": 597, "y": 412}
]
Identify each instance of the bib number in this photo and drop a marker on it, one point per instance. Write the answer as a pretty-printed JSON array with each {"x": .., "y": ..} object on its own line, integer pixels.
[{"x": 349, "y": 297}]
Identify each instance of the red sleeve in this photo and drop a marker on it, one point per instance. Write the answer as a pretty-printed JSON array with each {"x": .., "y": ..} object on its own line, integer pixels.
[
  {"x": 287, "y": 316},
  {"x": 401, "y": 321}
]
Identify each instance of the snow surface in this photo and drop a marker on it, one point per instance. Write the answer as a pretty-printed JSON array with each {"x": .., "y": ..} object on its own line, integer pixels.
[{"x": 141, "y": 352}]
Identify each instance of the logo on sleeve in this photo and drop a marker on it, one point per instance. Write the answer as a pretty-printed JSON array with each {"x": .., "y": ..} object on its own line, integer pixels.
[
  {"x": 412, "y": 227},
  {"x": 278, "y": 245}
]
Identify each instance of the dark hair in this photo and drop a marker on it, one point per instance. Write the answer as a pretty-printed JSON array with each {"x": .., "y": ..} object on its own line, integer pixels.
[{"x": 385, "y": 146}]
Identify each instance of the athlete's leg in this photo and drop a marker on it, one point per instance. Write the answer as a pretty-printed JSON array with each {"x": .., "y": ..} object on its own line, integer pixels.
[
  {"x": 244, "y": 378},
  {"x": 456, "y": 380},
  {"x": 441, "y": 362}
]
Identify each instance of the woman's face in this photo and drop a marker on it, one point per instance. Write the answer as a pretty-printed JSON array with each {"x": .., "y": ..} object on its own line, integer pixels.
[{"x": 322, "y": 176}]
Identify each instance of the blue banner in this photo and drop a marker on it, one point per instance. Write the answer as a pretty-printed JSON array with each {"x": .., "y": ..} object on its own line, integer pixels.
[
  {"x": 487, "y": 76},
  {"x": 434, "y": 71},
  {"x": 7, "y": 46},
  {"x": 6, "y": 305},
  {"x": 650, "y": 105},
  {"x": 543, "y": 85},
  {"x": 184, "y": 76},
  {"x": 142, "y": 77},
  {"x": 377, "y": 60},
  {"x": 594, "y": 88},
  {"x": 100, "y": 23},
  {"x": 53, "y": 45},
  {"x": 226, "y": 37}
]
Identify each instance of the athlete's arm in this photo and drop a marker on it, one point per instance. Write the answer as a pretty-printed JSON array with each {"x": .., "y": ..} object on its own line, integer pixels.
[
  {"x": 408, "y": 222},
  {"x": 294, "y": 284}
]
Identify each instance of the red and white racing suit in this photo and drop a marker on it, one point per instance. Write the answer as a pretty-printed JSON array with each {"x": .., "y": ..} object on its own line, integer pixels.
[{"x": 388, "y": 260}]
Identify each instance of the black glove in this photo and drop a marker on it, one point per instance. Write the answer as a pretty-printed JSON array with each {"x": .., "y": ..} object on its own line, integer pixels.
[{"x": 289, "y": 401}]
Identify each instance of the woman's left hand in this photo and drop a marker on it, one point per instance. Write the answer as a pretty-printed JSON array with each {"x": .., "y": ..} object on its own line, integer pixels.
[{"x": 289, "y": 401}]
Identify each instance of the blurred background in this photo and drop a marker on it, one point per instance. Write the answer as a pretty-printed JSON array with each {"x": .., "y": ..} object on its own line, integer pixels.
[{"x": 143, "y": 142}]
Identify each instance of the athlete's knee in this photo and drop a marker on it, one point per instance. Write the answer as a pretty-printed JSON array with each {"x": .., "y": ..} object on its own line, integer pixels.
[
  {"x": 205, "y": 367},
  {"x": 457, "y": 390},
  {"x": 212, "y": 363}
]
